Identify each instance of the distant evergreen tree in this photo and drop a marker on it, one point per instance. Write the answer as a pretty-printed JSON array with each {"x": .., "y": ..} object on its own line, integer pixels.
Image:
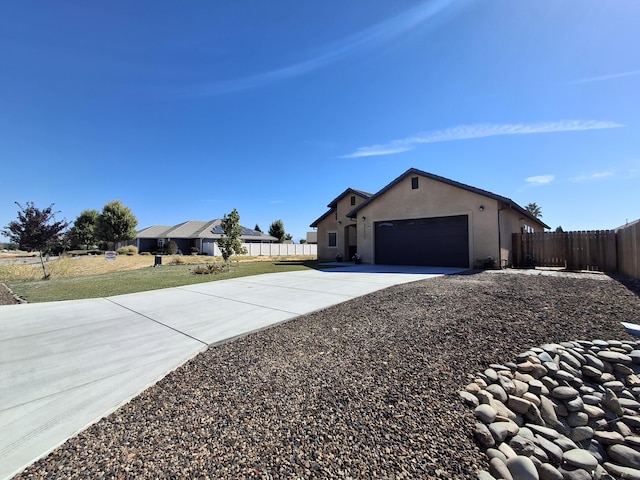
[
  {"x": 257, "y": 228},
  {"x": 277, "y": 230}
]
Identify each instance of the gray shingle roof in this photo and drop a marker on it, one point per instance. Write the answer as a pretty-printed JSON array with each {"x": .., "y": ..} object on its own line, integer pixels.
[
  {"x": 155, "y": 231},
  {"x": 200, "y": 229}
]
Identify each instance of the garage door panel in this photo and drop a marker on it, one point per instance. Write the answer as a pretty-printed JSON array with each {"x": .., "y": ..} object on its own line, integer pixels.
[{"x": 440, "y": 242}]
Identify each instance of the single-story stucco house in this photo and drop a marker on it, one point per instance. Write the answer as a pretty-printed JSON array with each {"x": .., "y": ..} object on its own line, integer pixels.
[
  {"x": 423, "y": 219},
  {"x": 192, "y": 234}
]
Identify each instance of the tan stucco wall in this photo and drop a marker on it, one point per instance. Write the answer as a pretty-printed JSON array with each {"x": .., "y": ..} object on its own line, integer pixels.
[
  {"x": 432, "y": 199},
  {"x": 337, "y": 223},
  {"x": 512, "y": 221}
]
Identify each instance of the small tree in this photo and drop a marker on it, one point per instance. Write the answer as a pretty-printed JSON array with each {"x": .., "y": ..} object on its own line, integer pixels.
[
  {"x": 35, "y": 230},
  {"x": 83, "y": 231},
  {"x": 116, "y": 223},
  {"x": 257, "y": 228},
  {"x": 534, "y": 210},
  {"x": 230, "y": 242},
  {"x": 171, "y": 247},
  {"x": 277, "y": 230},
  {"x": 559, "y": 229}
]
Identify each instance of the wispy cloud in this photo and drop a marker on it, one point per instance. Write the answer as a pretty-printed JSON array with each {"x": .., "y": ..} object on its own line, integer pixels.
[
  {"x": 539, "y": 180},
  {"x": 375, "y": 150},
  {"x": 465, "y": 132},
  {"x": 370, "y": 38},
  {"x": 602, "y": 78},
  {"x": 592, "y": 177}
]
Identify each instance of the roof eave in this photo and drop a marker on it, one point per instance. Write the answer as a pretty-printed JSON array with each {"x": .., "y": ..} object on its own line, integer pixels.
[
  {"x": 360, "y": 193},
  {"x": 316, "y": 222}
]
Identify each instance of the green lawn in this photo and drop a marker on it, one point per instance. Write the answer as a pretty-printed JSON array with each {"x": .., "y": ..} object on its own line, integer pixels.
[{"x": 140, "y": 280}]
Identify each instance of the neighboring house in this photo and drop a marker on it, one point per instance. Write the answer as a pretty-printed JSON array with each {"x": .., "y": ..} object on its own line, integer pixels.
[
  {"x": 422, "y": 219},
  {"x": 192, "y": 234},
  {"x": 312, "y": 238}
]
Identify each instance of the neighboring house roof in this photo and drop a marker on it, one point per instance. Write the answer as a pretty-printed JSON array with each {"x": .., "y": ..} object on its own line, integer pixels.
[
  {"x": 191, "y": 229},
  {"x": 155, "y": 231},
  {"x": 199, "y": 229},
  {"x": 453, "y": 183},
  {"x": 334, "y": 203}
]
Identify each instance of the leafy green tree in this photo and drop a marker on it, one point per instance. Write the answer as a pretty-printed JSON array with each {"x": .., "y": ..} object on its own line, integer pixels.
[
  {"x": 116, "y": 223},
  {"x": 302, "y": 241},
  {"x": 230, "y": 242},
  {"x": 534, "y": 210},
  {"x": 277, "y": 230},
  {"x": 35, "y": 230},
  {"x": 83, "y": 231}
]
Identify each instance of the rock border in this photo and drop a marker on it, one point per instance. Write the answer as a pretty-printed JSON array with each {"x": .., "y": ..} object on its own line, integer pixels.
[
  {"x": 6, "y": 293},
  {"x": 561, "y": 411}
]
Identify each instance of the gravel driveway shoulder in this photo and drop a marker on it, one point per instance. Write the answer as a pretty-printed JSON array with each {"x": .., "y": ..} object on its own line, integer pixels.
[{"x": 6, "y": 296}]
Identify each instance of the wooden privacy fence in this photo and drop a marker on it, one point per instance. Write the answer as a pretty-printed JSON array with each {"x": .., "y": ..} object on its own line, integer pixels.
[
  {"x": 628, "y": 243},
  {"x": 593, "y": 250}
]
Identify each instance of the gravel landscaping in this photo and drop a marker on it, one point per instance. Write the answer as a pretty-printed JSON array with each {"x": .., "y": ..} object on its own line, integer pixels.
[
  {"x": 6, "y": 296},
  {"x": 365, "y": 389}
]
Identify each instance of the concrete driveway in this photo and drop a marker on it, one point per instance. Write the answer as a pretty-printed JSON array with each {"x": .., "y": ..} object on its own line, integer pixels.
[{"x": 64, "y": 365}]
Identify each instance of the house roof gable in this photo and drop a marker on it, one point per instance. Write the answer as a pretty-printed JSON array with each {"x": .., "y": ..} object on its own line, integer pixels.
[
  {"x": 317, "y": 221},
  {"x": 333, "y": 204},
  {"x": 453, "y": 183},
  {"x": 348, "y": 191}
]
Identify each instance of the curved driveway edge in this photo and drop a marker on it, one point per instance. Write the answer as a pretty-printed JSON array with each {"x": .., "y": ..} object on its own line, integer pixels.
[{"x": 64, "y": 365}]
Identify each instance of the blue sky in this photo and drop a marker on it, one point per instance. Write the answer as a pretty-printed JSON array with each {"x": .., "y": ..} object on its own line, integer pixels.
[{"x": 184, "y": 111}]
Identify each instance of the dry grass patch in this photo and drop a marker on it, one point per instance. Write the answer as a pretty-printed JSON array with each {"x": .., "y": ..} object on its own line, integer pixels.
[{"x": 68, "y": 267}]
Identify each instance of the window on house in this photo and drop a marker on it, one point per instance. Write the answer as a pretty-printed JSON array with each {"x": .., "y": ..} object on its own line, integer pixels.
[
  {"x": 333, "y": 239},
  {"x": 414, "y": 183},
  {"x": 353, "y": 199}
]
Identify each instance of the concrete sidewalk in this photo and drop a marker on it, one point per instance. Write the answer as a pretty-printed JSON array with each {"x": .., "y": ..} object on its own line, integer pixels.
[{"x": 64, "y": 365}]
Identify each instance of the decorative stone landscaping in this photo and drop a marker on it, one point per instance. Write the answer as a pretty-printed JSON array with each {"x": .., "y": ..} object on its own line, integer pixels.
[{"x": 561, "y": 411}]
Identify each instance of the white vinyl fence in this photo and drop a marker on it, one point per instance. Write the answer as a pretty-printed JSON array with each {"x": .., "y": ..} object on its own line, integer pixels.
[{"x": 267, "y": 249}]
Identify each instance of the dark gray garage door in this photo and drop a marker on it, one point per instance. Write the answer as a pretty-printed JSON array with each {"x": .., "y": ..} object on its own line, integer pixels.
[{"x": 439, "y": 242}]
